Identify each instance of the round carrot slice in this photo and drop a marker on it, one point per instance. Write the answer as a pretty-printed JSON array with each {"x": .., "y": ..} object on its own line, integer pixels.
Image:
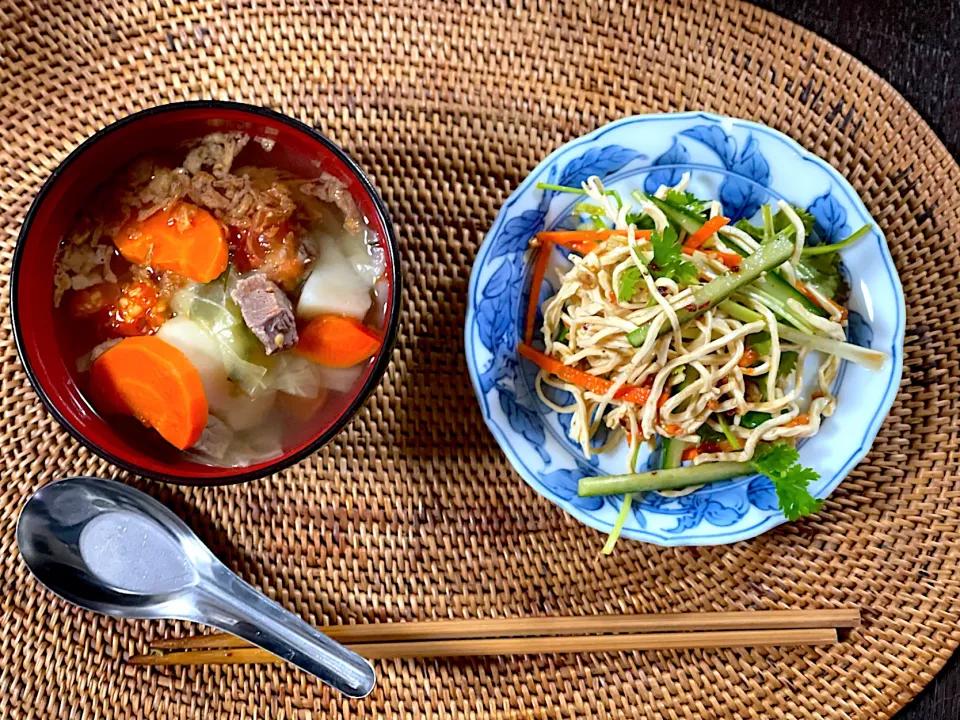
[
  {"x": 337, "y": 341},
  {"x": 198, "y": 251},
  {"x": 155, "y": 382}
]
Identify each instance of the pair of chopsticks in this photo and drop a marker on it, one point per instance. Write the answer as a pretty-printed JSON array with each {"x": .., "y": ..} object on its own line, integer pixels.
[{"x": 537, "y": 635}]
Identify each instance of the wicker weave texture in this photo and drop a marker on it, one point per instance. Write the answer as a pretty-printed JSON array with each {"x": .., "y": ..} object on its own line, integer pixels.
[{"x": 413, "y": 512}]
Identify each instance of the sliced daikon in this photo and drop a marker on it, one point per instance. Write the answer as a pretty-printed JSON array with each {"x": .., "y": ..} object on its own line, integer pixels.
[{"x": 334, "y": 287}]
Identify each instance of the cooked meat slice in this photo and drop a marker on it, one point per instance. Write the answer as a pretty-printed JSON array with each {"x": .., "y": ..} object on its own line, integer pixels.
[
  {"x": 267, "y": 312},
  {"x": 333, "y": 190},
  {"x": 216, "y": 152}
]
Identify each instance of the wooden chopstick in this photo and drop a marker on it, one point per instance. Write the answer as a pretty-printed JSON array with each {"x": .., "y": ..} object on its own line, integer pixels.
[
  {"x": 521, "y": 646},
  {"x": 544, "y": 626}
]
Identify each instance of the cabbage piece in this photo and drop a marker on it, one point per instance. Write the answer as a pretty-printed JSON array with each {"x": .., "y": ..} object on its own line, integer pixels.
[
  {"x": 341, "y": 379},
  {"x": 364, "y": 253},
  {"x": 226, "y": 400},
  {"x": 215, "y": 440},
  {"x": 211, "y": 307},
  {"x": 295, "y": 375}
]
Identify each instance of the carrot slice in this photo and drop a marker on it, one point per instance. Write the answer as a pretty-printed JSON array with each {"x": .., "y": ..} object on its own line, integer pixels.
[
  {"x": 155, "y": 382},
  {"x": 594, "y": 384},
  {"x": 337, "y": 341},
  {"x": 198, "y": 252},
  {"x": 706, "y": 230},
  {"x": 539, "y": 270},
  {"x": 689, "y": 453},
  {"x": 585, "y": 241}
]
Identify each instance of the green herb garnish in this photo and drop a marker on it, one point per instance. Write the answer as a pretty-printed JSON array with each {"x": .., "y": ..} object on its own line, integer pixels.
[
  {"x": 627, "y": 284},
  {"x": 668, "y": 259},
  {"x": 780, "y": 462}
]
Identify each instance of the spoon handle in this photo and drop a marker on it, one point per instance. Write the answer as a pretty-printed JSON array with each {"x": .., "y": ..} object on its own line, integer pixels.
[{"x": 227, "y": 603}]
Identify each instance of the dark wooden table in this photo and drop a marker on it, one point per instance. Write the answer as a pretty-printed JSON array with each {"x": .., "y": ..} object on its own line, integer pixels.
[{"x": 915, "y": 46}]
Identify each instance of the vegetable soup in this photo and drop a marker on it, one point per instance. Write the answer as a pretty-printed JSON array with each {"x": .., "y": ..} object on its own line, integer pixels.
[{"x": 217, "y": 306}]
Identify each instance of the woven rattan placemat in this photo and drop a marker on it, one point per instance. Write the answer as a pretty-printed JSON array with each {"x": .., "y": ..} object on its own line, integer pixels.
[{"x": 413, "y": 512}]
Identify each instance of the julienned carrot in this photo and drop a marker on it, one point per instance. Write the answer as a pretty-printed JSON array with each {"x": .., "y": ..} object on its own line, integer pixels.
[
  {"x": 731, "y": 260},
  {"x": 689, "y": 453},
  {"x": 199, "y": 251},
  {"x": 809, "y": 295},
  {"x": 706, "y": 230},
  {"x": 337, "y": 341},
  {"x": 594, "y": 384},
  {"x": 825, "y": 303},
  {"x": 155, "y": 382},
  {"x": 801, "y": 419},
  {"x": 539, "y": 270},
  {"x": 584, "y": 241}
]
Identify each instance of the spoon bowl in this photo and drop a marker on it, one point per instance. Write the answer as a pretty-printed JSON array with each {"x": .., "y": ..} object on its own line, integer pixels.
[{"x": 112, "y": 549}]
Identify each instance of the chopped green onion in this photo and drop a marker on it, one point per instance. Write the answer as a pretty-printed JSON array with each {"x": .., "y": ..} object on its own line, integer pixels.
[{"x": 836, "y": 247}]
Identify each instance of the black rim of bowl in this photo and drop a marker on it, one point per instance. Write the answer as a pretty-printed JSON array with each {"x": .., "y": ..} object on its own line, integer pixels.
[{"x": 390, "y": 329}]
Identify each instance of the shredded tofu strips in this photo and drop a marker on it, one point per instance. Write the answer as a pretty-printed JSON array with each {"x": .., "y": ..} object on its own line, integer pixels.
[{"x": 693, "y": 371}]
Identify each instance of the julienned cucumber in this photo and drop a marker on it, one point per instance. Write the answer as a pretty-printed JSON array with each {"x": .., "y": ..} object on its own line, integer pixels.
[
  {"x": 767, "y": 257},
  {"x": 671, "y": 479},
  {"x": 688, "y": 221},
  {"x": 772, "y": 283},
  {"x": 671, "y": 453},
  {"x": 780, "y": 289},
  {"x": 775, "y": 285}
]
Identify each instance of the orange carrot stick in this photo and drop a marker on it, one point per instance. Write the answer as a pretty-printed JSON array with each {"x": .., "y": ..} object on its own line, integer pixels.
[
  {"x": 826, "y": 304},
  {"x": 731, "y": 260},
  {"x": 539, "y": 270},
  {"x": 337, "y": 341},
  {"x": 689, "y": 453},
  {"x": 706, "y": 230},
  {"x": 155, "y": 382},
  {"x": 572, "y": 375},
  {"x": 199, "y": 251},
  {"x": 801, "y": 419}
]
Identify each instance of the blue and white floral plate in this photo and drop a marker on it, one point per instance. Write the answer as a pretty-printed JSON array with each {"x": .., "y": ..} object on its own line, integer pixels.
[{"x": 744, "y": 165}]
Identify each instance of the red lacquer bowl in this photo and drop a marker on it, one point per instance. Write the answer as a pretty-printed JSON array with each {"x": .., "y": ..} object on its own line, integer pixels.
[{"x": 45, "y": 343}]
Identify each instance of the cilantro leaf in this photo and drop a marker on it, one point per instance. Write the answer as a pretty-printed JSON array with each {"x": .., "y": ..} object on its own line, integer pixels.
[
  {"x": 781, "y": 221},
  {"x": 792, "y": 494},
  {"x": 708, "y": 434},
  {"x": 627, "y": 284},
  {"x": 779, "y": 462},
  {"x": 750, "y": 229},
  {"x": 641, "y": 221},
  {"x": 668, "y": 259},
  {"x": 686, "y": 201},
  {"x": 561, "y": 335},
  {"x": 775, "y": 459},
  {"x": 822, "y": 272}
]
